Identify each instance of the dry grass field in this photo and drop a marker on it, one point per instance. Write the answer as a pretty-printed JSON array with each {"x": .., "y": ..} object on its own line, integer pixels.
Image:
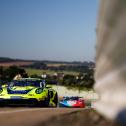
[
  {"x": 17, "y": 63},
  {"x": 59, "y": 64},
  {"x": 50, "y": 72}
]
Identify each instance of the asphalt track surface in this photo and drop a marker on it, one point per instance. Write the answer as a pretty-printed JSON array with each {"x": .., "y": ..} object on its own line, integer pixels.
[{"x": 23, "y": 116}]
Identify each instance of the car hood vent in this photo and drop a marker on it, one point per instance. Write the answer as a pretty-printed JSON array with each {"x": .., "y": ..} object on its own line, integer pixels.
[{"x": 18, "y": 91}]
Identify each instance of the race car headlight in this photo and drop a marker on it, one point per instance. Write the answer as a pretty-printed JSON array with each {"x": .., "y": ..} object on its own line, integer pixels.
[{"x": 38, "y": 91}]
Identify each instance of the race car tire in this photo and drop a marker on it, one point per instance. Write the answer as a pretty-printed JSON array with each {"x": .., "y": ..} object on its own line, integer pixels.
[
  {"x": 56, "y": 99},
  {"x": 46, "y": 103}
]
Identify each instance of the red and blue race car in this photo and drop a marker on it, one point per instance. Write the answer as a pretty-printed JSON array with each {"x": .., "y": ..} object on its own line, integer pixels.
[{"x": 75, "y": 102}]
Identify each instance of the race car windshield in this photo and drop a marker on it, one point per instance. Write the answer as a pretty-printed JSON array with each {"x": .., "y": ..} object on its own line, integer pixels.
[
  {"x": 71, "y": 98},
  {"x": 25, "y": 83}
]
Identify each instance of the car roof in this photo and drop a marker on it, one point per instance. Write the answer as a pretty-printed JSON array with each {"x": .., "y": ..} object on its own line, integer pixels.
[{"x": 72, "y": 98}]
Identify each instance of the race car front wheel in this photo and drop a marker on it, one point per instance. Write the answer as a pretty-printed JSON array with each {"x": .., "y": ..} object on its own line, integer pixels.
[
  {"x": 45, "y": 103},
  {"x": 56, "y": 99}
]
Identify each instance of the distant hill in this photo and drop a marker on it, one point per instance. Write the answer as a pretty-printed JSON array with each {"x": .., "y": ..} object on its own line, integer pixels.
[{"x": 5, "y": 61}]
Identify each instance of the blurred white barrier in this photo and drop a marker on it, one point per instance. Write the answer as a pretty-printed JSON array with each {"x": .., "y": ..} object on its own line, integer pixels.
[{"x": 110, "y": 73}]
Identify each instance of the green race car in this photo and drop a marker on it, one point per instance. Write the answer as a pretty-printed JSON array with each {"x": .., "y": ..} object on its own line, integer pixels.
[{"x": 28, "y": 91}]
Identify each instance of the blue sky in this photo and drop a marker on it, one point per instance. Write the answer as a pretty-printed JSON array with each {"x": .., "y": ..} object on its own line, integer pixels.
[{"x": 48, "y": 29}]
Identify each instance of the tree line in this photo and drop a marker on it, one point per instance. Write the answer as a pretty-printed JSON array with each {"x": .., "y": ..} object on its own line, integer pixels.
[
  {"x": 7, "y": 74},
  {"x": 76, "y": 66},
  {"x": 82, "y": 80}
]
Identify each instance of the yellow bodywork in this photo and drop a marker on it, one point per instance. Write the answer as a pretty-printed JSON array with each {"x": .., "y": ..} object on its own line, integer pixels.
[
  {"x": 39, "y": 94},
  {"x": 31, "y": 94}
]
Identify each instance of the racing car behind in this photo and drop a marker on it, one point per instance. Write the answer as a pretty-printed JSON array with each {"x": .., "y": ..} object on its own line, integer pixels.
[{"x": 75, "y": 102}]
